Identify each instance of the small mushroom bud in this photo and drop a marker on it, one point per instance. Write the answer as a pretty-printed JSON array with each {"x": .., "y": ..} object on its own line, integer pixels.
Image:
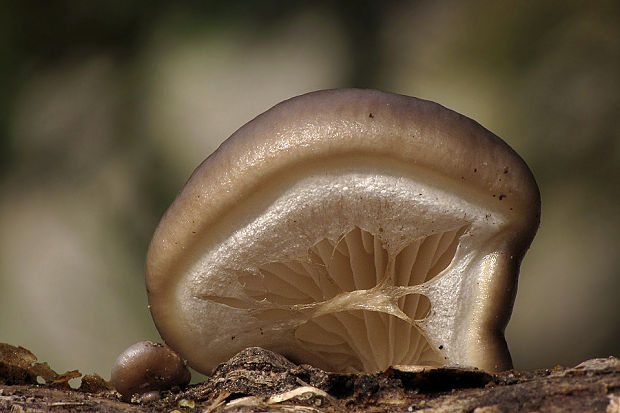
[{"x": 146, "y": 368}]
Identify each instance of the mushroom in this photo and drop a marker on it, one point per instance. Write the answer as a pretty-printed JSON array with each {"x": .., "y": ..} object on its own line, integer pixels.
[
  {"x": 146, "y": 368},
  {"x": 349, "y": 229}
]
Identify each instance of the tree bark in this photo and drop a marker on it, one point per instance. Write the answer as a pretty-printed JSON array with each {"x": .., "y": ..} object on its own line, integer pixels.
[{"x": 259, "y": 380}]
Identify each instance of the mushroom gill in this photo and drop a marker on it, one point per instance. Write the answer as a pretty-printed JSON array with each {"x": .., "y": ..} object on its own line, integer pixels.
[{"x": 358, "y": 340}]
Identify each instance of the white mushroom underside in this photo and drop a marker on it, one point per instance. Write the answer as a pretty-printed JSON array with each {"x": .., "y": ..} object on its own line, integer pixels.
[
  {"x": 343, "y": 269},
  {"x": 359, "y": 339}
]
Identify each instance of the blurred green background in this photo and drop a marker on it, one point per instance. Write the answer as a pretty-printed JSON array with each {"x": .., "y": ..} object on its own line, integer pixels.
[{"x": 106, "y": 107}]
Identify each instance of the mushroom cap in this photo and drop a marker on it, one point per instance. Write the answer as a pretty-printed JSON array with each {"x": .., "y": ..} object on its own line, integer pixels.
[
  {"x": 145, "y": 367},
  {"x": 350, "y": 229}
]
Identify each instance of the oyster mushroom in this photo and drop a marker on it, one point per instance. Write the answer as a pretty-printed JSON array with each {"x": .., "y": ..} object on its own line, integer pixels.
[{"x": 349, "y": 229}]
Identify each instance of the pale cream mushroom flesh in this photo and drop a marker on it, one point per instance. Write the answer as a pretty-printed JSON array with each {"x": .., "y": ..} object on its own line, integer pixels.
[{"x": 351, "y": 230}]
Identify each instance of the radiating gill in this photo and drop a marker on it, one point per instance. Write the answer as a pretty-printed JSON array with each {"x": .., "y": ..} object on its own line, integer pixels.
[{"x": 359, "y": 339}]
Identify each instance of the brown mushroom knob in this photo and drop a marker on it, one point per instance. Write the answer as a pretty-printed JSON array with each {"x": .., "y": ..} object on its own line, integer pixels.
[
  {"x": 146, "y": 367},
  {"x": 348, "y": 229}
]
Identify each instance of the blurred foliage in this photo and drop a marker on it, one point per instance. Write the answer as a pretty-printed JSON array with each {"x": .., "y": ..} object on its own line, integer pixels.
[{"x": 41, "y": 34}]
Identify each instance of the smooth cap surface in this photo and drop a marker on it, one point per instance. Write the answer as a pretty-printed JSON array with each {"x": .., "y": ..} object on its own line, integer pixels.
[{"x": 147, "y": 366}]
